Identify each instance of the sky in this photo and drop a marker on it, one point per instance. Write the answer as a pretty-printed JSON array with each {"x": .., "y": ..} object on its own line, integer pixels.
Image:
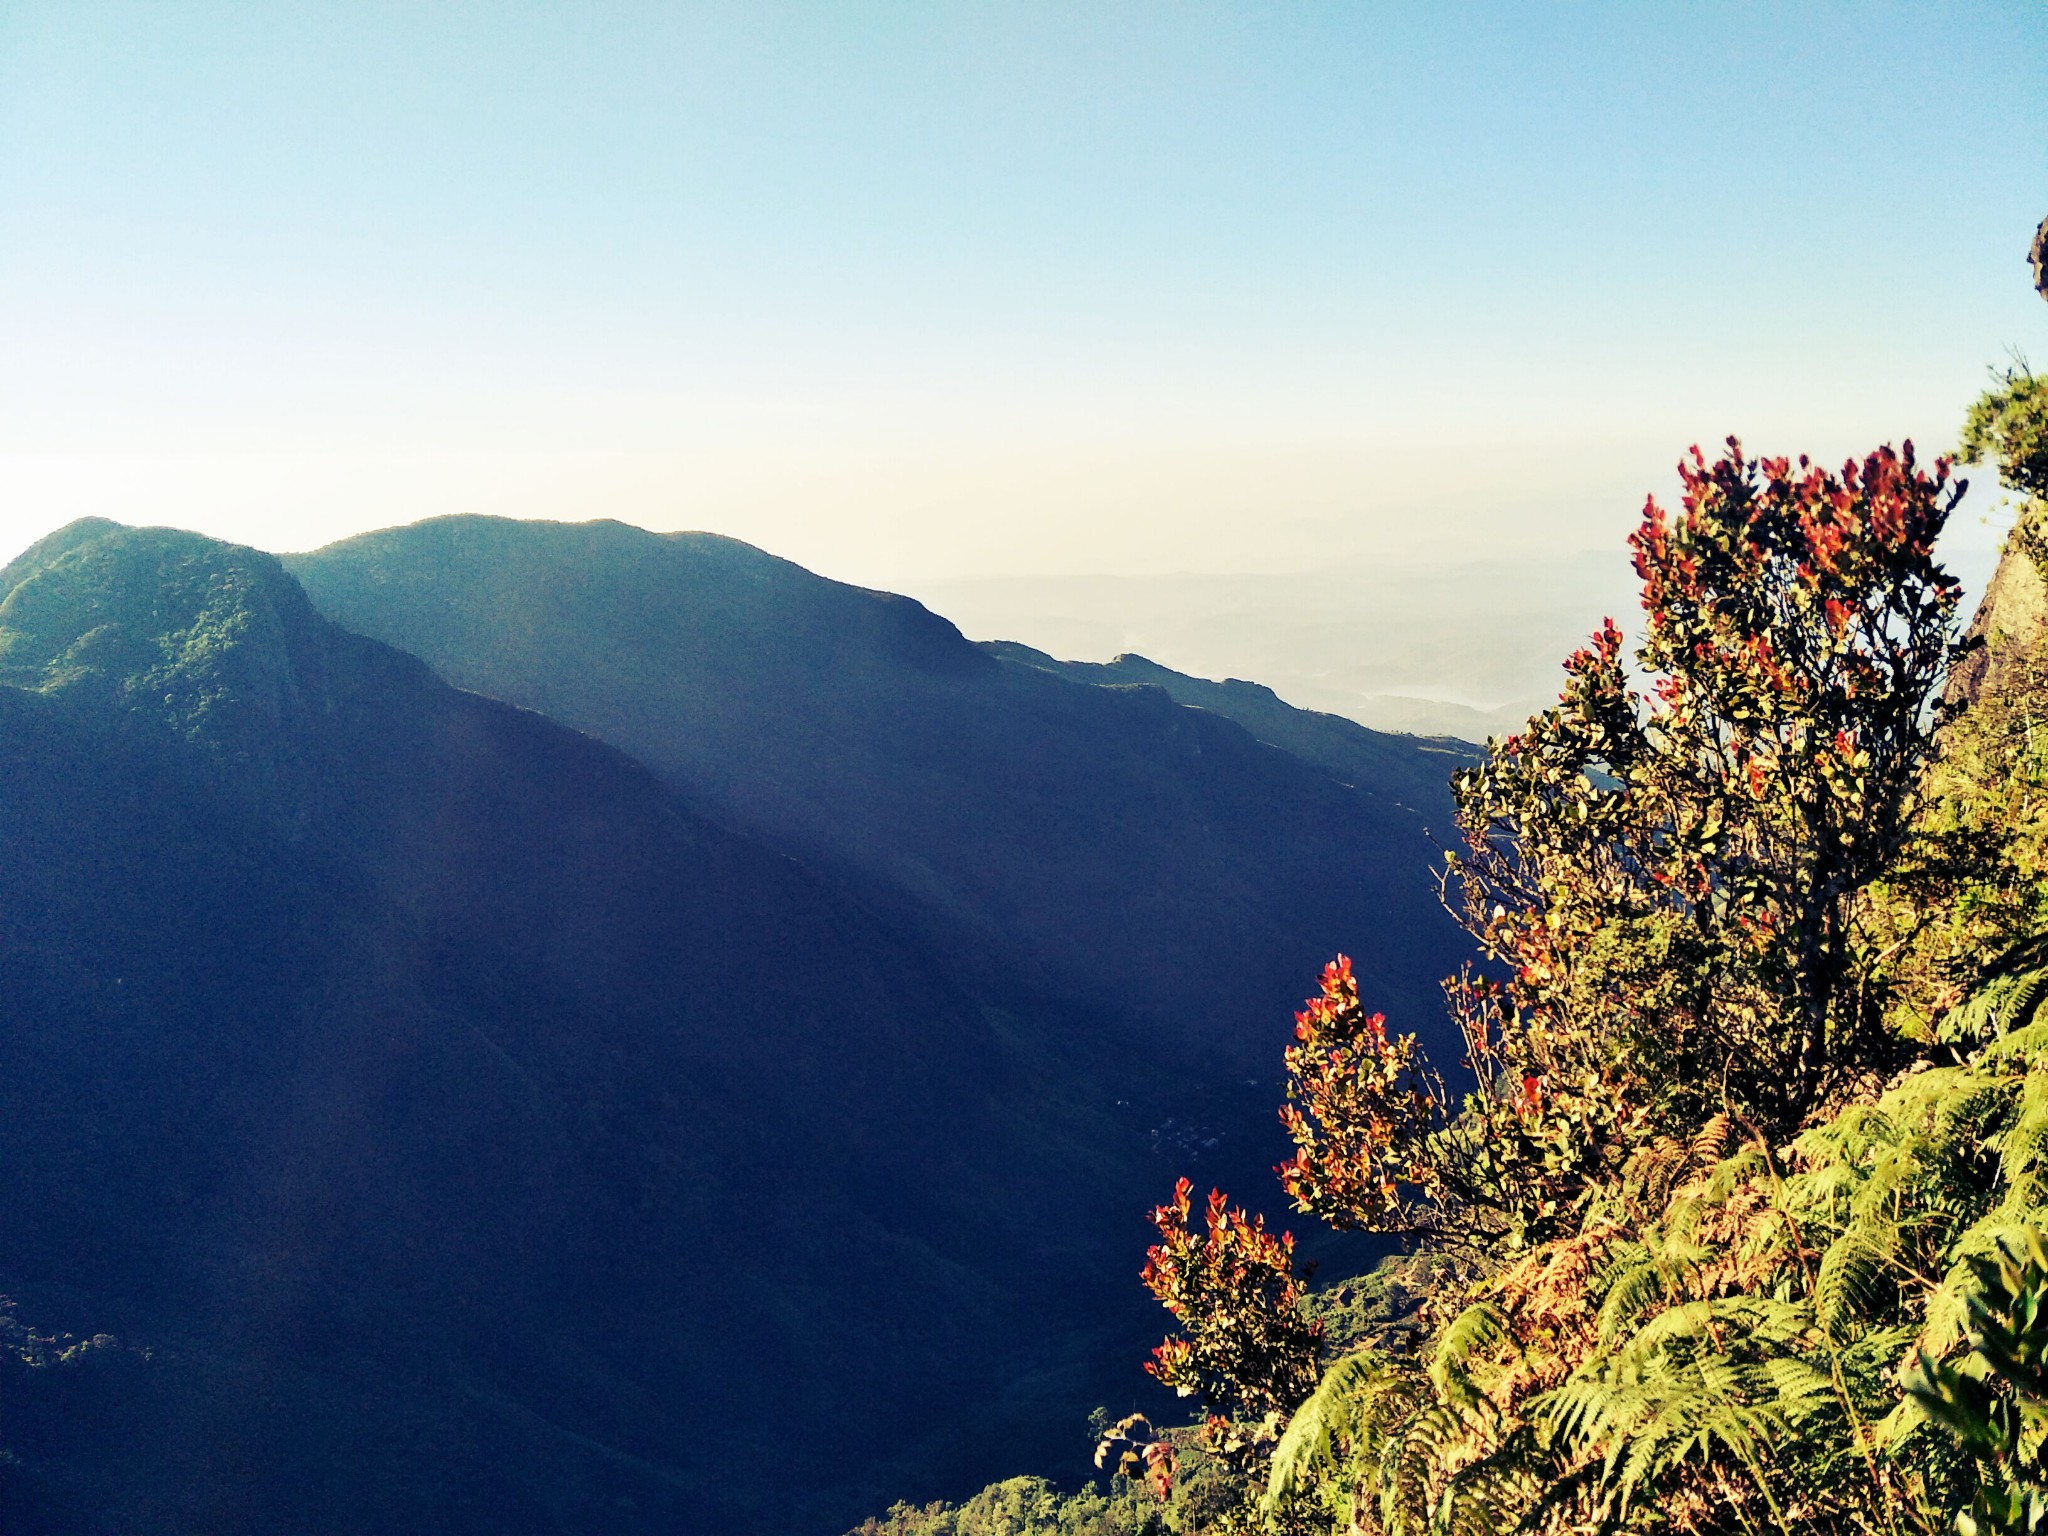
[{"x": 922, "y": 292}]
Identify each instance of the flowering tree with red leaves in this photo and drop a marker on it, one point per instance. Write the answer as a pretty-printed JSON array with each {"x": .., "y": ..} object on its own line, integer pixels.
[
  {"x": 1672, "y": 880},
  {"x": 1380, "y": 1147},
  {"x": 1249, "y": 1349},
  {"x": 1361, "y": 1109}
]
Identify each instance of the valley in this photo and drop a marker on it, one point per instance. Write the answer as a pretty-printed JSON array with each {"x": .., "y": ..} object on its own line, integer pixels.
[{"x": 726, "y": 1135}]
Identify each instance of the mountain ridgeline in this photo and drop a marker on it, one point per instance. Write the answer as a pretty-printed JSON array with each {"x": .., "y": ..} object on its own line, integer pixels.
[
  {"x": 1184, "y": 867},
  {"x": 466, "y": 1125}
]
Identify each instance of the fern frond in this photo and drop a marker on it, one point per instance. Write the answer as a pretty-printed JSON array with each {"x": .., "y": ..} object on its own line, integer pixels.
[
  {"x": 1635, "y": 1283},
  {"x": 1848, "y": 1289},
  {"x": 1418, "y": 1458},
  {"x": 1999, "y": 1007},
  {"x": 1494, "y": 1494},
  {"x": 1477, "y": 1329},
  {"x": 1710, "y": 1142},
  {"x": 1348, "y": 1416}
]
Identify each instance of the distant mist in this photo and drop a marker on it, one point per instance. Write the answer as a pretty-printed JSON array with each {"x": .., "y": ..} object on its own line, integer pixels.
[
  {"x": 1462, "y": 649},
  {"x": 1458, "y": 648}
]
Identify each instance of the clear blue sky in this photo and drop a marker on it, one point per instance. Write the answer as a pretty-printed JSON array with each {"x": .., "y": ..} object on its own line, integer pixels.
[{"x": 907, "y": 291}]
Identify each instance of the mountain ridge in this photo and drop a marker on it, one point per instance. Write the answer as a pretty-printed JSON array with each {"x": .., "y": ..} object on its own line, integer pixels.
[
  {"x": 1417, "y": 766},
  {"x": 437, "y": 1065},
  {"x": 1124, "y": 850}
]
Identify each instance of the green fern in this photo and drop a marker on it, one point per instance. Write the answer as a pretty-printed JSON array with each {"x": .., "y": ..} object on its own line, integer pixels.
[
  {"x": 1477, "y": 1329},
  {"x": 1852, "y": 1285},
  {"x": 1749, "y": 1332},
  {"x": 1635, "y": 1283},
  {"x": 2001, "y": 1005},
  {"x": 1353, "y": 1410}
]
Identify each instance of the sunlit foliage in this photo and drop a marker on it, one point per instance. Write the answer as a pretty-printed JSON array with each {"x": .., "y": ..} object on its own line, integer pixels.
[
  {"x": 1740, "y": 1227},
  {"x": 1737, "y": 1148}
]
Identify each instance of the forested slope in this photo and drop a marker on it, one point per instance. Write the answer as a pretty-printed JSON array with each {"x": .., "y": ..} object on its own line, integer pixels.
[{"x": 474, "y": 1137}]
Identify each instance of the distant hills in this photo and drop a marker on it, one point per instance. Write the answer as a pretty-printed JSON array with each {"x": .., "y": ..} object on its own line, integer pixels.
[
  {"x": 1464, "y": 644},
  {"x": 1408, "y": 770},
  {"x": 1461, "y": 645},
  {"x": 1126, "y": 852},
  {"x": 713, "y": 1108}
]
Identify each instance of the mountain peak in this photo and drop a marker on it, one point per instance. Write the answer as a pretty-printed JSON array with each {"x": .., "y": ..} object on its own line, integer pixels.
[
  {"x": 213, "y": 641},
  {"x": 666, "y": 596}
]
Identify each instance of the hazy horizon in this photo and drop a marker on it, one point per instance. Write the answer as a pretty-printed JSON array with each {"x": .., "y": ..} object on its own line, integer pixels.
[{"x": 1436, "y": 645}]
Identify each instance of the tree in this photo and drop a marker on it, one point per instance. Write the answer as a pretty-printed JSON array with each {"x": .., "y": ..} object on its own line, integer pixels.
[
  {"x": 2008, "y": 427},
  {"x": 1249, "y": 1350},
  {"x": 1672, "y": 879},
  {"x": 1677, "y": 876}
]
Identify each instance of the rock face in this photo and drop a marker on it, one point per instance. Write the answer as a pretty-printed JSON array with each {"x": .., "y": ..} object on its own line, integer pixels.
[{"x": 2010, "y": 619}]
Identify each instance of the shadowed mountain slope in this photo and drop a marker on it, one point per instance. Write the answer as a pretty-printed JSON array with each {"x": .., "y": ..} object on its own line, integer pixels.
[
  {"x": 480, "y": 1139},
  {"x": 1113, "y": 845}
]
